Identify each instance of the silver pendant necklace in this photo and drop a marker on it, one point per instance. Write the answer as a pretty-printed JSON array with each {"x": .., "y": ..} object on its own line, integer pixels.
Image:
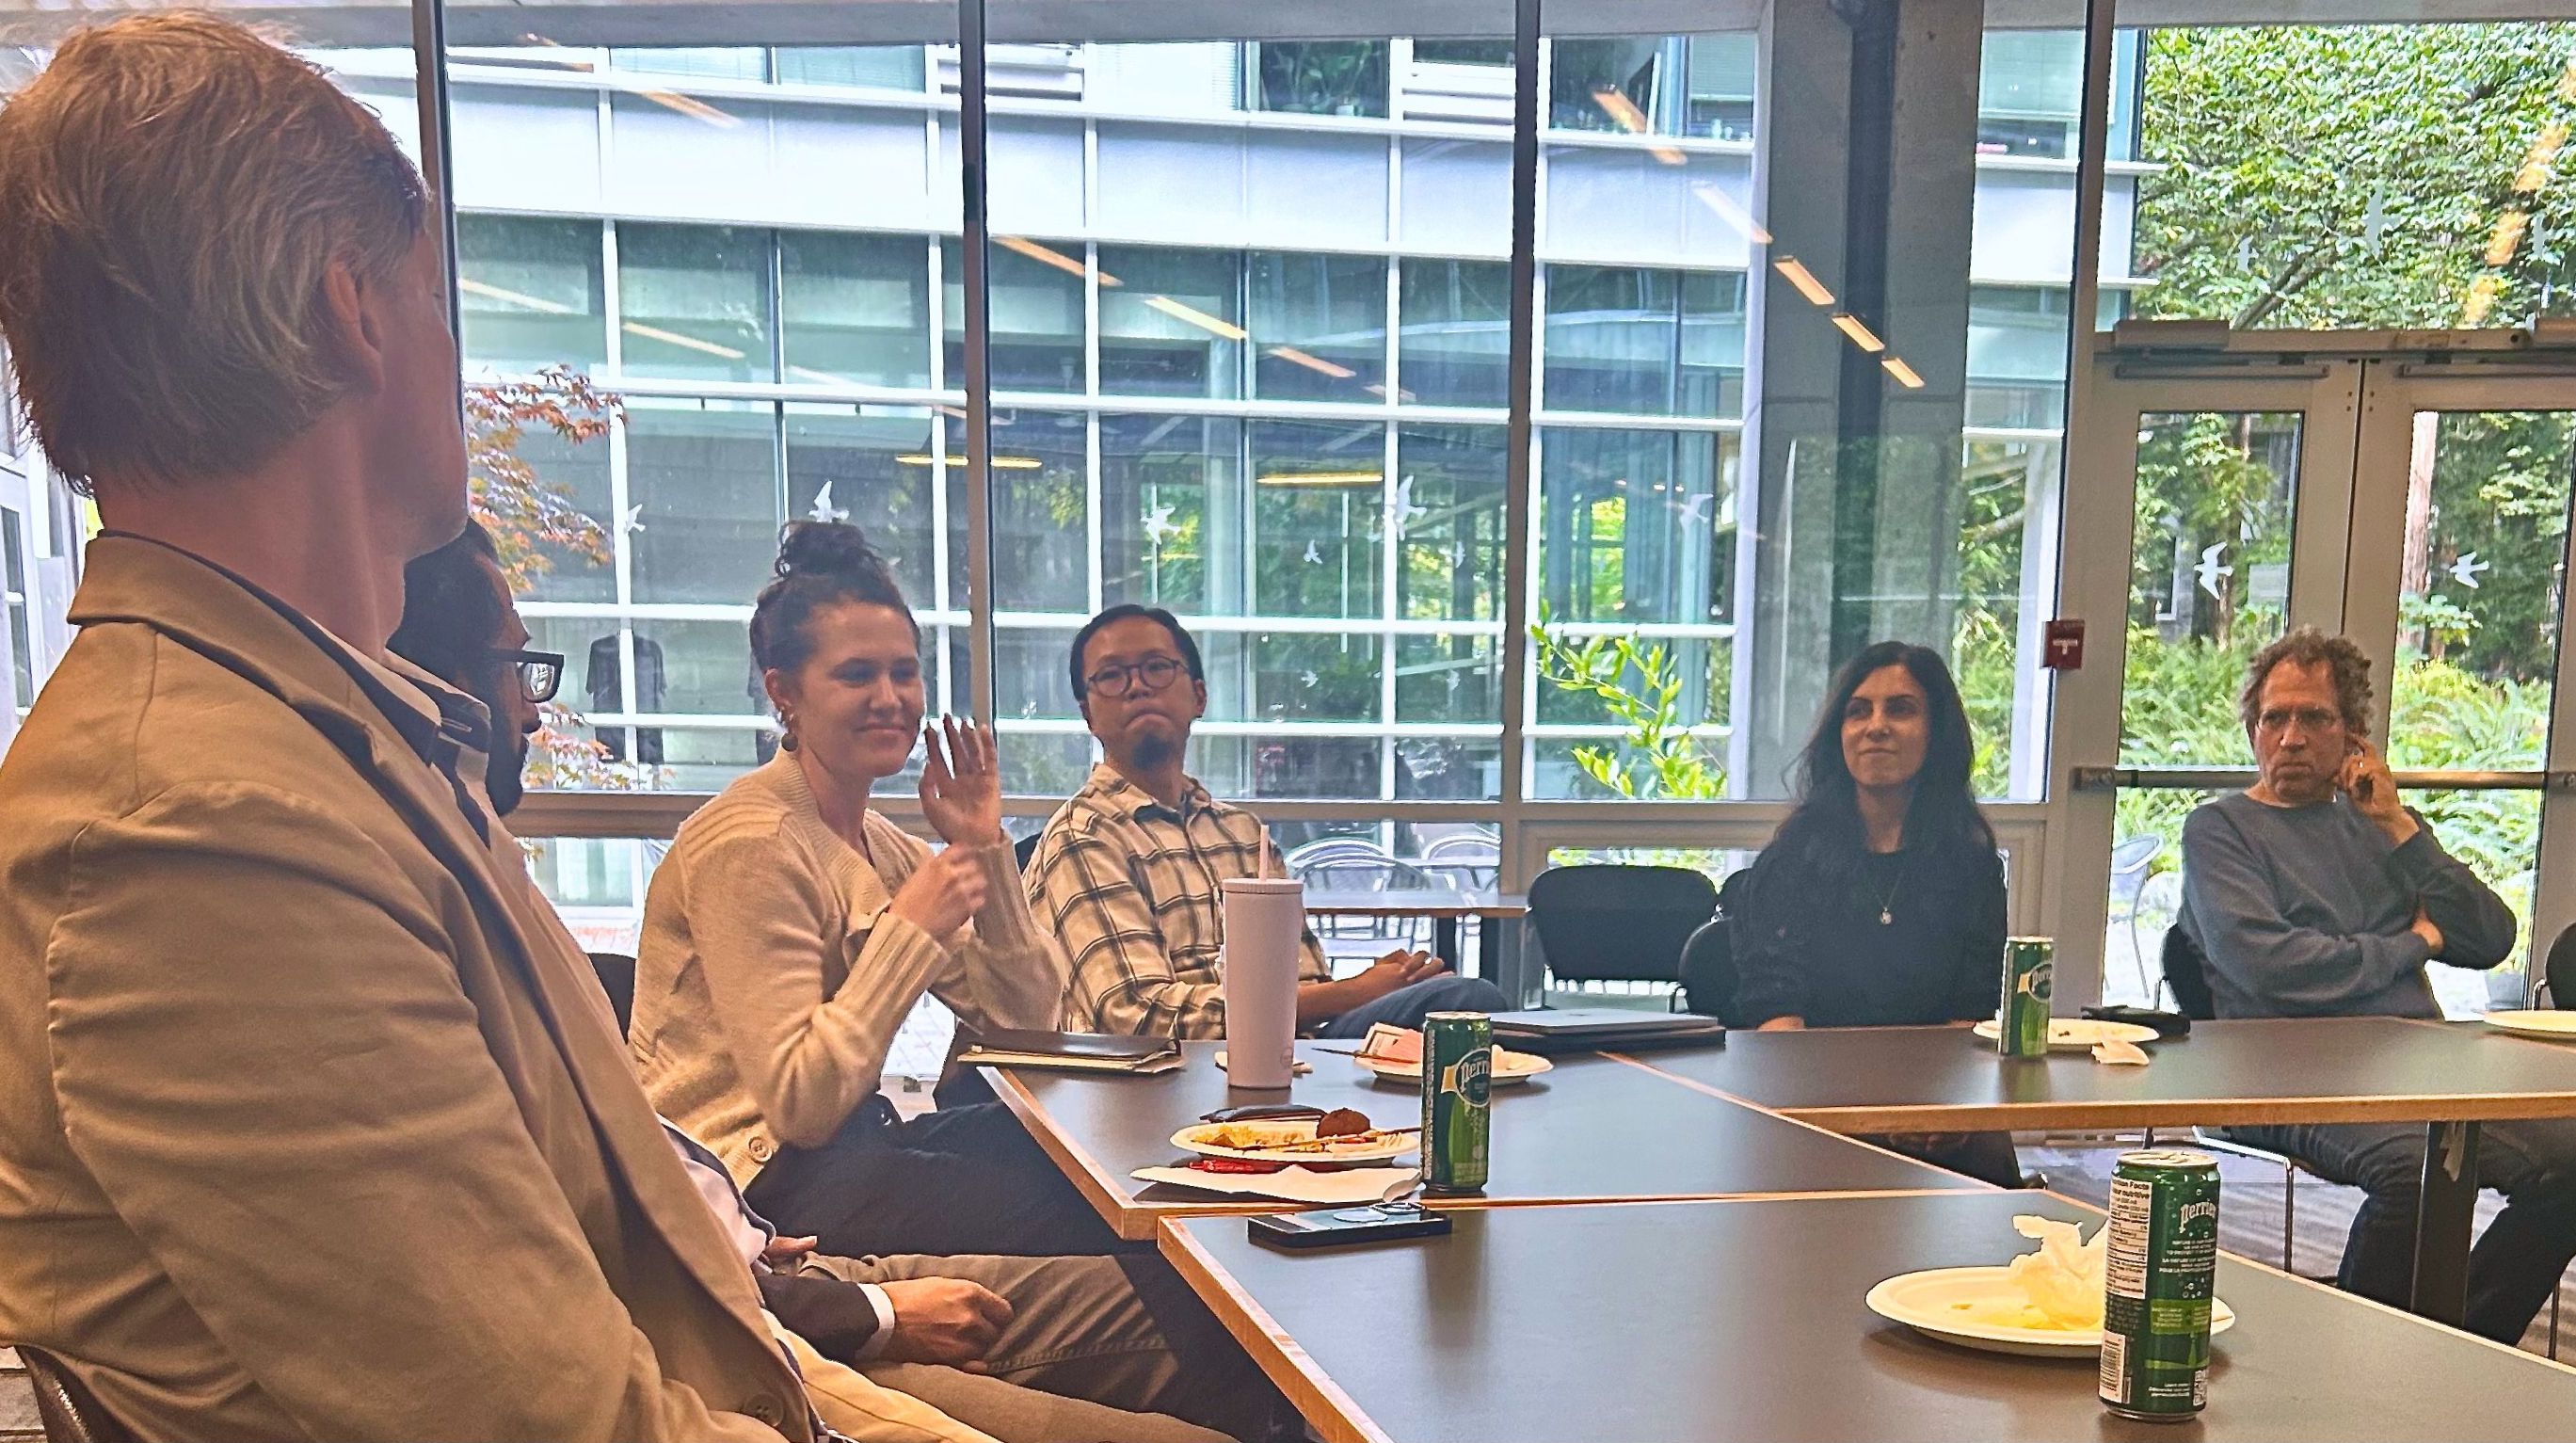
[{"x": 1887, "y": 902}]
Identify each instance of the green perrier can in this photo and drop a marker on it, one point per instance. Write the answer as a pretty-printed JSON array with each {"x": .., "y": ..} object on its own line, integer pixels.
[
  {"x": 1457, "y": 1085},
  {"x": 2029, "y": 977},
  {"x": 2158, "y": 1278}
]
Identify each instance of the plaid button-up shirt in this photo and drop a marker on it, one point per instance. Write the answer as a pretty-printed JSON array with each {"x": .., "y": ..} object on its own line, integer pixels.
[{"x": 1130, "y": 887}]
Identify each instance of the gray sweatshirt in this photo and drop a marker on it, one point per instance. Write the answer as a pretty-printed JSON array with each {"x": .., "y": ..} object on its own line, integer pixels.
[{"x": 2306, "y": 911}]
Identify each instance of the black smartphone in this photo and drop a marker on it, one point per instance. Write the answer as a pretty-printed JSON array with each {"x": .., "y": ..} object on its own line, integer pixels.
[
  {"x": 2168, "y": 1025},
  {"x": 1262, "y": 1110},
  {"x": 1341, "y": 1227}
]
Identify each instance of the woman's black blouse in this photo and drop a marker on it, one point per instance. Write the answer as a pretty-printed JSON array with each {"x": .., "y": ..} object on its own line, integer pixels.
[{"x": 1809, "y": 946}]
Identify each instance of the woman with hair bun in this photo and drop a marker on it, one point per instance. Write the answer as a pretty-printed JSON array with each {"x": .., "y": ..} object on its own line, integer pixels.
[{"x": 793, "y": 927}]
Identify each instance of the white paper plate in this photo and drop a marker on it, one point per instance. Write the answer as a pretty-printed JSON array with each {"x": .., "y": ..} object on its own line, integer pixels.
[
  {"x": 2548, "y": 1026},
  {"x": 1509, "y": 1067},
  {"x": 1938, "y": 1303},
  {"x": 1196, "y": 1138},
  {"x": 2076, "y": 1034}
]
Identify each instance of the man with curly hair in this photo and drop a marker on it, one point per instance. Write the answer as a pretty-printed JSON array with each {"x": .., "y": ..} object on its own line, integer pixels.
[{"x": 2317, "y": 893}]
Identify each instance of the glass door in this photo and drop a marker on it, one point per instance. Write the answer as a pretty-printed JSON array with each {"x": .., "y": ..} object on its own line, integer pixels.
[
  {"x": 2420, "y": 507},
  {"x": 2458, "y": 591},
  {"x": 2206, "y": 514}
]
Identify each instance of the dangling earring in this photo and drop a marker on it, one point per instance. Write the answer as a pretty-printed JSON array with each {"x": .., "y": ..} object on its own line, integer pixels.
[{"x": 787, "y": 732}]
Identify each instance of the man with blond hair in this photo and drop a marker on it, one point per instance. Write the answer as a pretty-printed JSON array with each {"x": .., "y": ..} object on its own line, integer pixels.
[
  {"x": 2317, "y": 893},
  {"x": 306, "y": 1129}
]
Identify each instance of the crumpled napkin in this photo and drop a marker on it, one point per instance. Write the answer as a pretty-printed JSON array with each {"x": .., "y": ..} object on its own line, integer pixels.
[
  {"x": 1298, "y": 1068},
  {"x": 2119, "y": 1054},
  {"x": 2063, "y": 1280}
]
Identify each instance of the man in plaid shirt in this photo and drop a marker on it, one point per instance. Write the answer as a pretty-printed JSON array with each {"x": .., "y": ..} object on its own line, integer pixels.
[{"x": 1128, "y": 870}]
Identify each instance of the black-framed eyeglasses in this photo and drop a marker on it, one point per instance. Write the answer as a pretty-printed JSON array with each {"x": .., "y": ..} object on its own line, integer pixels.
[
  {"x": 540, "y": 672},
  {"x": 1123, "y": 678}
]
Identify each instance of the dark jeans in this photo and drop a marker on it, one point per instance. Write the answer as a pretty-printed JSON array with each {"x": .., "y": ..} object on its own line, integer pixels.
[
  {"x": 1406, "y": 1006},
  {"x": 1985, "y": 1156},
  {"x": 2515, "y": 1265},
  {"x": 959, "y": 1180}
]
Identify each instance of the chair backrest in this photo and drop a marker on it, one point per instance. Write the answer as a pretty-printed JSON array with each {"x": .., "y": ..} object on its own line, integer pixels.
[
  {"x": 1472, "y": 859},
  {"x": 2558, "y": 971},
  {"x": 1617, "y": 922},
  {"x": 617, "y": 977},
  {"x": 2187, "y": 973},
  {"x": 1026, "y": 847},
  {"x": 66, "y": 1407},
  {"x": 1708, "y": 961}
]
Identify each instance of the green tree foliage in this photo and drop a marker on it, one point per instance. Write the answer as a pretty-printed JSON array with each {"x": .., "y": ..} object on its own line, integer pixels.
[
  {"x": 536, "y": 527},
  {"x": 2355, "y": 175}
]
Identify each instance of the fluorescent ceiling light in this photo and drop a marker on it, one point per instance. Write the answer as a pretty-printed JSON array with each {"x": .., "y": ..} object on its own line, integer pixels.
[
  {"x": 674, "y": 338},
  {"x": 1000, "y": 463},
  {"x": 1861, "y": 335},
  {"x": 1904, "y": 374},
  {"x": 1297, "y": 357},
  {"x": 1714, "y": 196},
  {"x": 2507, "y": 237},
  {"x": 1047, "y": 255},
  {"x": 473, "y": 287},
  {"x": 1198, "y": 318},
  {"x": 1615, "y": 103},
  {"x": 1804, "y": 280},
  {"x": 1321, "y": 478}
]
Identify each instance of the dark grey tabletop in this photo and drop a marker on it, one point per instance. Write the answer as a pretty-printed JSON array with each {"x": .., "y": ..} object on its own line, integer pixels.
[
  {"x": 2327, "y": 1069},
  {"x": 1594, "y": 1128},
  {"x": 1696, "y": 1322}
]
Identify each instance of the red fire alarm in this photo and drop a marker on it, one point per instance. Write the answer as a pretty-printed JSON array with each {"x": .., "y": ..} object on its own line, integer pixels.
[{"x": 2063, "y": 650}]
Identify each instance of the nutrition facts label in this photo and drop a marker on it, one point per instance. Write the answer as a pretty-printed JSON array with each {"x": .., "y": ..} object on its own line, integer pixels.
[{"x": 2124, "y": 1269}]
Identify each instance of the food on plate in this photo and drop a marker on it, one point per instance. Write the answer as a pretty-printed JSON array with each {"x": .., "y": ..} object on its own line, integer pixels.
[
  {"x": 1342, "y": 1122},
  {"x": 1388, "y": 1043},
  {"x": 2059, "y": 1287},
  {"x": 1248, "y": 1137}
]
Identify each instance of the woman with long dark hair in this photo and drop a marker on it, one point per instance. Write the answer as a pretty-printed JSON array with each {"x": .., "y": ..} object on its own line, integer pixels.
[{"x": 1881, "y": 900}]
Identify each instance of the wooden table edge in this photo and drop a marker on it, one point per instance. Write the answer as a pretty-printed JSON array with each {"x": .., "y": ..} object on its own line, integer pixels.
[
  {"x": 1794, "y": 1119},
  {"x": 1096, "y": 1183},
  {"x": 1282, "y": 1359},
  {"x": 2331, "y": 1290},
  {"x": 2212, "y": 1111}
]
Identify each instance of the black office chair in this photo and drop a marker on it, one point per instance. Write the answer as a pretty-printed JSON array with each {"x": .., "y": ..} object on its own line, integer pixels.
[
  {"x": 69, "y": 1412},
  {"x": 2187, "y": 978},
  {"x": 617, "y": 978},
  {"x": 1709, "y": 978},
  {"x": 1026, "y": 847},
  {"x": 1618, "y": 923},
  {"x": 2558, "y": 972}
]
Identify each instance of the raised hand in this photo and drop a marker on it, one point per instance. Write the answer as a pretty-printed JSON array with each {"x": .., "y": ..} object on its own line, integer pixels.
[
  {"x": 2365, "y": 778},
  {"x": 943, "y": 895},
  {"x": 961, "y": 783}
]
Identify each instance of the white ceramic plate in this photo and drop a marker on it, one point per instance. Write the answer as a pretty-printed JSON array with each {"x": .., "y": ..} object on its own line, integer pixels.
[
  {"x": 1509, "y": 1067},
  {"x": 2076, "y": 1034},
  {"x": 2549, "y": 1026},
  {"x": 1945, "y": 1303},
  {"x": 1201, "y": 1138}
]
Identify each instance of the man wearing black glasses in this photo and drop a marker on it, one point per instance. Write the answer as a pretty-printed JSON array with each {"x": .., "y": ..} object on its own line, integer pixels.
[
  {"x": 1128, "y": 870},
  {"x": 458, "y": 623}
]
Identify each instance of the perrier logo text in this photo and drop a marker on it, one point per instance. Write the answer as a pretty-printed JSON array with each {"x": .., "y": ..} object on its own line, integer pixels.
[
  {"x": 2040, "y": 980},
  {"x": 1471, "y": 1076}
]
